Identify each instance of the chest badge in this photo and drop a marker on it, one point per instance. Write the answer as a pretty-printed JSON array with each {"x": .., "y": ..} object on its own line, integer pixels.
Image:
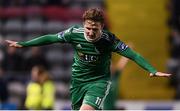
[{"x": 79, "y": 46}]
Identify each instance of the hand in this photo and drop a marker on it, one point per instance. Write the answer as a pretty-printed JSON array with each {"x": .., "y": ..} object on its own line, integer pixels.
[
  {"x": 13, "y": 44},
  {"x": 160, "y": 74}
]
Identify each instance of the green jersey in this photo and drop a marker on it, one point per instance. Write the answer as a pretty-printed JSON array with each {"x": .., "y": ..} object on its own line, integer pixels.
[{"x": 91, "y": 59}]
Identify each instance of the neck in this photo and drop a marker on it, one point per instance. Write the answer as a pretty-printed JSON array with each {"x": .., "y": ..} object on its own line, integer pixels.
[{"x": 92, "y": 40}]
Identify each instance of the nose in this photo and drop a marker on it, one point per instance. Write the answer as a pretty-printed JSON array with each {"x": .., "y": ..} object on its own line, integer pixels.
[{"x": 90, "y": 32}]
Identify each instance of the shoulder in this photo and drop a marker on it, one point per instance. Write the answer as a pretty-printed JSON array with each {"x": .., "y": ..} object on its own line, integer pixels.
[
  {"x": 108, "y": 36},
  {"x": 76, "y": 29},
  {"x": 71, "y": 30},
  {"x": 49, "y": 84},
  {"x": 33, "y": 85},
  {"x": 114, "y": 41}
]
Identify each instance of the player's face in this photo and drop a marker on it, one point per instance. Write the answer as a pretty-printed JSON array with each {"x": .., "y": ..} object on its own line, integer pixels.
[
  {"x": 92, "y": 29},
  {"x": 34, "y": 74}
]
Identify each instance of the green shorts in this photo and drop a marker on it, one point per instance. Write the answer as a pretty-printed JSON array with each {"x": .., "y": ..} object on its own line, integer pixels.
[
  {"x": 93, "y": 94},
  {"x": 109, "y": 103}
]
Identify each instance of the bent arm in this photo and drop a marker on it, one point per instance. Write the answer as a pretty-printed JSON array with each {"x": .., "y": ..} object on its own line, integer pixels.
[
  {"x": 42, "y": 40},
  {"x": 122, "y": 62},
  {"x": 122, "y": 49}
]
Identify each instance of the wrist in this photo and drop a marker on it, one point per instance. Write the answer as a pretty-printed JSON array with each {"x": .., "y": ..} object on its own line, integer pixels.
[
  {"x": 154, "y": 72},
  {"x": 18, "y": 45}
]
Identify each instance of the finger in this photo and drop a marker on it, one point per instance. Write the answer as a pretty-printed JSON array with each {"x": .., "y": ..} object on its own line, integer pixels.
[
  {"x": 9, "y": 41},
  {"x": 168, "y": 75},
  {"x": 12, "y": 45},
  {"x": 160, "y": 75},
  {"x": 165, "y": 75}
]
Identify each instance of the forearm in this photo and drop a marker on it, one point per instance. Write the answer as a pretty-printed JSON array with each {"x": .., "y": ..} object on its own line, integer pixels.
[
  {"x": 122, "y": 62},
  {"x": 139, "y": 60},
  {"x": 42, "y": 40}
]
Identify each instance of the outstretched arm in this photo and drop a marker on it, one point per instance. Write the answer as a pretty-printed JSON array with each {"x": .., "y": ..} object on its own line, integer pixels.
[
  {"x": 122, "y": 49},
  {"x": 64, "y": 36},
  {"x": 129, "y": 53},
  {"x": 42, "y": 40},
  {"x": 122, "y": 62}
]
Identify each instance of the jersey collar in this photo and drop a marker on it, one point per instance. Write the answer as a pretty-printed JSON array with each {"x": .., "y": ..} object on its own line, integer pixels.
[{"x": 89, "y": 40}]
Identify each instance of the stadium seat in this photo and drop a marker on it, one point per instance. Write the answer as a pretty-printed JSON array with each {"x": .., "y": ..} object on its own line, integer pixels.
[
  {"x": 16, "y": 89},
  {"x": 54, "y": 26},
  {"x": 62, "y": 90},
  {"x": 62, "y": 104},
  {"x": 33, "y": 11},
  {"x": 25, "y": 22},
  {"x": 32, "y": 36},
  {"x": 13, "y": 26},
  {"x": 1, "y": 26},
  {"x": 54, "y": 56},
  {"x": 1, "y": 54},
  {"x": 76, "y": 14},
  {"x": 57, "y": 73},
  {"x": 67, "y": 52},
  {"x": 8, "y": 106},
  {"x": 15, "y": 37},
  {"x": 56, "y": 13},
  {"x": 89, "y": 3},
  {"x": 72, "y": 23},
  {"x": 1, "y": 12},
  {"x": 33, "y": 26},
  {"x": 69, "y": 57},
  {"x": 13, "y": 12}
]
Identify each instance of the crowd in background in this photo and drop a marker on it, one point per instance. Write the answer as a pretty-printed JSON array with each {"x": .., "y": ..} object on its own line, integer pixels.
[
  {"x": 24, "y": 20},
  {"x": 61, "y": 3},
  {"x": 174, "y": 43}
]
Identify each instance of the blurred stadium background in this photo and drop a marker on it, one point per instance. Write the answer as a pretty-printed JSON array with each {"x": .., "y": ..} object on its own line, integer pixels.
[{"x": 152, "y": 26}]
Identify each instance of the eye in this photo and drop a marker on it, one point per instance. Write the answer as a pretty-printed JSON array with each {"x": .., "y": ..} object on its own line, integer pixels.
[
  {"x": 95, "y": 30},
  {"x": 88, "y": 28}
]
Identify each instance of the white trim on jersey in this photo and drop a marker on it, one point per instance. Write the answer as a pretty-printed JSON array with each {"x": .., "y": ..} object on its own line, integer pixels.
[
  {"x": 78, "y": 30},
  {"x": 106, "y": 93},
  {"x": 92, "y": 40}
]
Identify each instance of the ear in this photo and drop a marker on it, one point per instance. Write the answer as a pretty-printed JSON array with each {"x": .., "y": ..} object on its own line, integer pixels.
[
  {"x": 102, "y": 25},
  {"x": 83, "y": 23}
]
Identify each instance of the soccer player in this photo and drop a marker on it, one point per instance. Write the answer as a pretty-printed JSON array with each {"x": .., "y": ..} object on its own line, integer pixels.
[{"x": 93, "y": 46}]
